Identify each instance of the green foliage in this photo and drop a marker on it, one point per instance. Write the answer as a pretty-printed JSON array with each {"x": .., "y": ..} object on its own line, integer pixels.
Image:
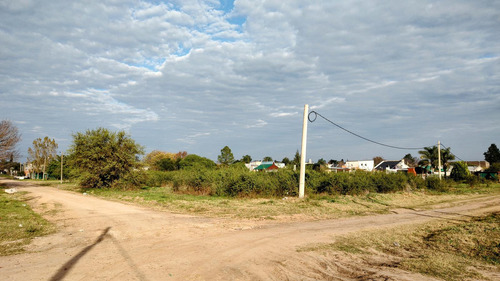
[
  {"x": 103, "y": 157},
  {"x": 226, "y": 156},
  {"x": 54, "y": 169},
  {"x": 246, "y": 159},
  {"x": 267, "y": 159},
  {"x": 460, "y": 171},
  {"x": 42, "y": 153},
  {"x": 238, "y": 181},
  {"x": 495, "y": 167},
  {"x": 18, "y": 224},
  {"x": 296, "y": 159},
  {"x": 493, "y": 154},
  {"x": 193, "y": 161},
  {"x": 434, "y": 183},
  {"x": 430, "y": 155},
  {"x": 167, "y": 164},
  {"x": 285, "y": 161}
]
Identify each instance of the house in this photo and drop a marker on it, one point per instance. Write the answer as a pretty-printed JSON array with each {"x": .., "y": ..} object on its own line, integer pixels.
[
  {"x": 392, "y": 166},
  {"x": 267, "y": 166},
  {"x": 254, "y": 164},
  {"x": 366, "y": 165}
]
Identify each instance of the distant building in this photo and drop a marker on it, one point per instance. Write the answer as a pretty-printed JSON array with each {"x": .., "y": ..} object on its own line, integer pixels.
[
  {"x": 254, "y": 164},
  {"x": 366, "y": 165},
  {"x": 267, "y": 166},
  {"x": 392, "y": 166}
]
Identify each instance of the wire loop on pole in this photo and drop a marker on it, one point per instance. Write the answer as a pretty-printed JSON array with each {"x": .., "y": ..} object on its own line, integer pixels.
[{"x": 315, "y": 116}]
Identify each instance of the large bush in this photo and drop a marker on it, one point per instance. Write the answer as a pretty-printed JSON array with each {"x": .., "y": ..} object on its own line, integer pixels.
[{"x": 103, "y": 157}]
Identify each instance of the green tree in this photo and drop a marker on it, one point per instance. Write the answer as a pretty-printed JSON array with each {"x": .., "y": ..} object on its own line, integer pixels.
[
  {"x": 410, "y": 160},
  {"x": 493, "y": 154},
  {"x": 54, "y": 169},
  {"x": 103, "y": 157},
  {"x": 321, "y": 162},
  {"x": 460, "y": 171},
  {"x": 333, "y": 161},
  {"x": 296, "y": 159},
  {"x": 196, "y": 162},
  {"x": 9, "y": 137},
  {"x": 285, "y": 161},
  {"x": 226, "y": 156},
  {"x": 430, "y": 156},
  {"x": 167, "y": 164},
  {"x": 42, "y": 153},
  {"x": 267, "y": 159},
  {"x": 246, "y": 159}
]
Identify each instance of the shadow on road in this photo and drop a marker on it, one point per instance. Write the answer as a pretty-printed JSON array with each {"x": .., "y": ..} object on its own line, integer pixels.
[
  {"x": 64, "y": 270},
  {"x": 68, "y": 265}
]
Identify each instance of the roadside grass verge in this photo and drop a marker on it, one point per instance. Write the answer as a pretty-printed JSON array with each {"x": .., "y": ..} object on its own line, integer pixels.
[
  {"x": 446, "y": 250},
  {"x": 313, "y": 207},
  {"x": 18, "y": 223}
]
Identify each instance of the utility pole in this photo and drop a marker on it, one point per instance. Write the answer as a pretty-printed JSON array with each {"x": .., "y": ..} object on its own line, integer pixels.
[
  {"x": 62, "y": 160},
  {"x": 303, "y": 153},
  {"x": 439, "y": 158}
]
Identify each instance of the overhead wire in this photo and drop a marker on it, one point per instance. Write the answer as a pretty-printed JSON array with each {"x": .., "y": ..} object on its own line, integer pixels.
[
  {"x": 452, "y": 152},
  {"x": 316, "y": 114}
]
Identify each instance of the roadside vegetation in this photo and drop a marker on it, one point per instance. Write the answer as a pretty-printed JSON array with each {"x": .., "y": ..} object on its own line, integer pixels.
[
  {"x": 19, "y": 224},
  {"x": 287, "y": 208},
  {"x": 448, "y": 250}
]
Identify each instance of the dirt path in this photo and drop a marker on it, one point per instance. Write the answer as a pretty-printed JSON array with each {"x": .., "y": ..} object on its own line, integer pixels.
[{"x": 103, "y": 240}]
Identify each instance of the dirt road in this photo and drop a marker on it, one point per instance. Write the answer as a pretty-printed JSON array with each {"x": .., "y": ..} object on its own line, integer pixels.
[{"x": 104, "y": 240}]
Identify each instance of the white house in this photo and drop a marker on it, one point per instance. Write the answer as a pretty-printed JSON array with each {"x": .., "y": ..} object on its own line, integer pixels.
[
  {"x": 392, "y": 166},
  {"x": 366, "y": 165}
]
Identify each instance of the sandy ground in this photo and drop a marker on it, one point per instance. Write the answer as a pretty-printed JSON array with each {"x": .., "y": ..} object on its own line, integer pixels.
[{"x": 104, "y": 240}]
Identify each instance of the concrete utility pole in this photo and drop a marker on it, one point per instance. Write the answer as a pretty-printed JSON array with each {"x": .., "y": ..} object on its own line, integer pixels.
[
  {"x": 62, "y": 157},
  {"x": 439, "y": 158},
  {"x": 303, "y": 153}
]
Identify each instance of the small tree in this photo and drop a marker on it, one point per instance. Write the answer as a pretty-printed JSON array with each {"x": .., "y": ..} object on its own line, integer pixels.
[
  {"x": 493, "y": 154},
  {"x": 226, "y": 157},
  {"x": 377, "y": 160},
  {"x": 267, "y": 159},
  {"x": 197, "y": 162},
  {"x": 42, "y": 153},
  {"x": 296, "y": 159},
  {"x": 460, "y": 171},
  {"x": 285, "y": 161},
  {"x": 102, "y": 157},
  {"x": 410, "y": 160},
  {"x": 246, "y": 159},
  {"x": 430, "y": 156}
]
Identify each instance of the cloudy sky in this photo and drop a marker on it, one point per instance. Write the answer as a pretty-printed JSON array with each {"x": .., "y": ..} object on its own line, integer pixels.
[{"x": 197, "y": 75}]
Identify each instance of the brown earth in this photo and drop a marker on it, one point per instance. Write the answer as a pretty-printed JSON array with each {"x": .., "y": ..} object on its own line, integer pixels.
[{"x": 105, "y": 240}]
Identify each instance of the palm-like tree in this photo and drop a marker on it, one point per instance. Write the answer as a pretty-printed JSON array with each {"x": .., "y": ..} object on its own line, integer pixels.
[{"x": 430, "y": 156}]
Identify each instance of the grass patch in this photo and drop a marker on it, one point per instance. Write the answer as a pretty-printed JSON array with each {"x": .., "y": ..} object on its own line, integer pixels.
[
  {"x": 18, "y": 223},
  {"x": 449, "y": 251}
]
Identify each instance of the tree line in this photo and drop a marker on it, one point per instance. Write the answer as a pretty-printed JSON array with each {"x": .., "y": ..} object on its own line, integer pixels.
[{"x": 102, "y": 158}]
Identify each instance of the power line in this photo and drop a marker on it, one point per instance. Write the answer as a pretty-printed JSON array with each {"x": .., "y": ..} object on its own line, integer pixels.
[
  {"x": 316, "y": 114},
  {"x": 452, "y": 153}
]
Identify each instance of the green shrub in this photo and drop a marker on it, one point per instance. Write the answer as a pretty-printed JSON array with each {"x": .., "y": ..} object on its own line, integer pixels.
[
  {"x": 460, "y": 171},
  {"x": 434, "y": 183}
]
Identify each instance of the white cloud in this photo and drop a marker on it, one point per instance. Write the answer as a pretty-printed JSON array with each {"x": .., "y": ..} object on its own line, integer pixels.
[{"x": 387, "y": 69}]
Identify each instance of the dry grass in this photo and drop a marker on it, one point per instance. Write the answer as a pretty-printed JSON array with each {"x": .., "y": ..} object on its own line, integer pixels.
[{"x": 446, "y": 250}]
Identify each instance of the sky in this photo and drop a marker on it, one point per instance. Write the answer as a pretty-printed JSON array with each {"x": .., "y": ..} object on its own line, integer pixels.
[{"x": 197, "y": 75}]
